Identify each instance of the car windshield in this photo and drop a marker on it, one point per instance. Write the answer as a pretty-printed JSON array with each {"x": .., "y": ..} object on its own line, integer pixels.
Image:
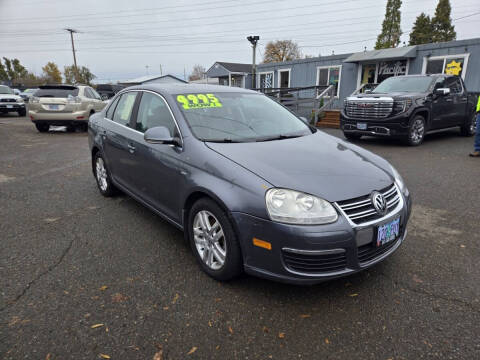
[
  {"x": 57, "y": 92},
  {"x": 5, "y": 90},
  {"x": 239, "y": 117},
  {"x": 404, "y": 84}
]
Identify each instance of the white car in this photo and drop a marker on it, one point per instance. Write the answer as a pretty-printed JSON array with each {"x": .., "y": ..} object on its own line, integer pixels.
[
  {"x": 64, "y": 105},
  {"x": 9, "y": 102}
]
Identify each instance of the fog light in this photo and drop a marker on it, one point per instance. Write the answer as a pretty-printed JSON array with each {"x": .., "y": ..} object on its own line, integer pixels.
[{"x": 262, "y": 244}]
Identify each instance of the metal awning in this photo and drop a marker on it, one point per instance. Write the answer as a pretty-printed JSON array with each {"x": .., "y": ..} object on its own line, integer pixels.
[{"x": 383, "y": 54}]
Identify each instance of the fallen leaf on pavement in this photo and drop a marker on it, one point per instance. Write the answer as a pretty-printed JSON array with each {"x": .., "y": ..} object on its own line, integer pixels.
[
  {"x": 230, "y": 330},
  {"x": 265, "y": 329},
  {"x": 104, "y": 356},
  {"x": 353, "y": 295},
  {"x": 175, "y": 298},
  {"x": 462, "y": 246},
  {"x": 304, "y": 316},
  {"x": 327, "y": 341},
  {"x": 417, "y": 279},
  {"x": 210, "y": 323},
  {"x": 117, "y": 297},
  {"x": 192, "y": 350},
  {"x": 281, "y": 335},
  {"x": 217, "y": 347},
  {"x": 165, "y": 308},
  {"x": 158, "y": 355},
  {"x": 96, "y": 326},
  {"x": 48, "y": 357},
  {"x": 103, "y": 288}
]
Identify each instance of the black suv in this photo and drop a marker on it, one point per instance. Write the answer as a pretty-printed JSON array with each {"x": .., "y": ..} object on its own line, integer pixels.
[{"x": 410, "y": 106}]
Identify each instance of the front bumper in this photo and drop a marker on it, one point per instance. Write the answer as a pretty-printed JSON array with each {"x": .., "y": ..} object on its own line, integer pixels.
[
  {"x": 11, "y": 107},
  {"x": 59, "y": 118},
  {"x": 395, "y": 127},
  {"x": 343, "y": 248}
]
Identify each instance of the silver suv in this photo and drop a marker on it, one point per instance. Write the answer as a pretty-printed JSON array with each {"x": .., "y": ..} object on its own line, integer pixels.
[
  {"x": 64, "y": 105},
  {"x": 9, "y": 102}
]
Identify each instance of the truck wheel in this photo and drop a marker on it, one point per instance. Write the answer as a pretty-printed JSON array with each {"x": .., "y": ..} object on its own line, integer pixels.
[
  {"x": 42, "y": 127},
  {"x": 416, "y": 132},
  {"x": 70, "y": 128},
  {"x": 352, "y": 136},
  {"x": 470, "y": 127},
  {"x": 22, "y": 113}
]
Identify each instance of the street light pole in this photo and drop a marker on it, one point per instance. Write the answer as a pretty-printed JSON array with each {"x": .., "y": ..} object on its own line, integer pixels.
[{"x": 253, "y": 40}]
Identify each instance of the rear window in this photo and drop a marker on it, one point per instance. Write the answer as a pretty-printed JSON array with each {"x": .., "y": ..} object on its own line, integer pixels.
[{"x": 56, "y": 93}]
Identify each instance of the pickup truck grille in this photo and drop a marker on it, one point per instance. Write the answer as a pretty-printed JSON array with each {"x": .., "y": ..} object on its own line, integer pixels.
[
  {"x": 360, "y": 210},
  {"x": 368, "y": 109},
  {"x": 8, "y": 100}
]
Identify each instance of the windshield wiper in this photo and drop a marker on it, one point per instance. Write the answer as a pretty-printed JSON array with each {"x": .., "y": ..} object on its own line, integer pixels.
[
  {"x": 278, "y": 137},
  {"x": 226, "y": 140}
]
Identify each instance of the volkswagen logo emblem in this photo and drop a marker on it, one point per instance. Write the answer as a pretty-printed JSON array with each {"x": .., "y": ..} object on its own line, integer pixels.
[{"x": 379, "y": 203}]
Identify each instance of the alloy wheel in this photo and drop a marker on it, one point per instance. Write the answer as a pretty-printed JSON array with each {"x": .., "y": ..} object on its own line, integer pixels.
[
  {"x": 101, "y": 173},
  {"x": 209, "y": 239},
  {"x": 418, "y": 130}
]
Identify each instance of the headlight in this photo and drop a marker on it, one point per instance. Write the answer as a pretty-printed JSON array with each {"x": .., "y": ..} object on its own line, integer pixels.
[
  {"x": 401, "y": 106},
  {"x": 293, "y": 207},
  {"x": 34, "y": 100},
  {"x": 20, "y": 101},
  {"x": 399, "y": 181}
]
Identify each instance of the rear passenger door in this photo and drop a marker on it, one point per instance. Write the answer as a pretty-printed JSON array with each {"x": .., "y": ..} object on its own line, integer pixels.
[
  {"x": 117, "y": 144},
  {"x": 459, "y": 101},
  {"x": 157, "y": 166},
  {"x": 442, "y": 110}
]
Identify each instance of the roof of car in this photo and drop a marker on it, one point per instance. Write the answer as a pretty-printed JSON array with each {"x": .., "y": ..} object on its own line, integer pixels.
[{"x": 174, "y": 88}]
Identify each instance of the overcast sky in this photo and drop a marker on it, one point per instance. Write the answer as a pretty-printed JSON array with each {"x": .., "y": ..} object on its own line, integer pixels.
[{"x": 118, "y": 39}]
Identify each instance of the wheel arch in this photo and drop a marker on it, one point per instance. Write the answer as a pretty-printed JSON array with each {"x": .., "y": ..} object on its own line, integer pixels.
[{"x": 423, "y": 112}]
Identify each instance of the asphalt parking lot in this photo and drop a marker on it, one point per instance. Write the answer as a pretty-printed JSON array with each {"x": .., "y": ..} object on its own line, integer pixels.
[{"x": 82, "y": 276}]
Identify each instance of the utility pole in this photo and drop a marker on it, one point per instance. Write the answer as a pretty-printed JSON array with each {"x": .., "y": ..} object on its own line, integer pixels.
[
  {"x": 253, "y": 40},
  {"x": 71, "y": 31}
]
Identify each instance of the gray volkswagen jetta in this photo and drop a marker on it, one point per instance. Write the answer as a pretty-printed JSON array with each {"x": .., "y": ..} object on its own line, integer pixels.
[{"x": 252, "y": 186}]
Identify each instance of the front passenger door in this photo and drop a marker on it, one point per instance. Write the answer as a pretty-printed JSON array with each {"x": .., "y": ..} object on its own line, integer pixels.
[
  {"x": 157, "y": 166},
  {"x": 441, "y": 106}
]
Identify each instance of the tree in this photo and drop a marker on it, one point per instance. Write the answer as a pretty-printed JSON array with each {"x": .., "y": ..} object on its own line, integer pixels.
[
  {"x": 12, "y": 70},
  {"x": 3, "y": 72},
  {"x": 52, "y": 73},
  {"x": 281, "y": 50},
  {"x": 82, "y": 75},
  {"x": 198, "y": 73},
  {"x": 391, "y": 31},
  {"x": 422, "y": 31},
  {"x": 443, "y": 30}
]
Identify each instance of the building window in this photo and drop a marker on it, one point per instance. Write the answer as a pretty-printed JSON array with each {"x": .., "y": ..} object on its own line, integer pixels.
[
  {"x": 329, "y": 75},
  {"x": 265, "y": 80},
  {"x": 450, "y": 65},
  {"x": 284, "y": 78}
]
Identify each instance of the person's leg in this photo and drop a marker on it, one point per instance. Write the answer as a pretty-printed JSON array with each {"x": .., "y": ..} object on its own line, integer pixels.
[{"x": 477, "y": 135}]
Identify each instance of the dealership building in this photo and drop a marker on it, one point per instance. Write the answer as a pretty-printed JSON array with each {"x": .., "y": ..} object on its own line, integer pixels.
[{"x": 350, "y": 72}]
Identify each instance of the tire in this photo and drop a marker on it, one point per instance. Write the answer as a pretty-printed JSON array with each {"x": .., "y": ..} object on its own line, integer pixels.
[
  {"x": 22, "y": 113},
  {"x": 352, "y": 136},
  {"x": 70, "y": 128},
  {"x": 82, "y": 127},
  {"x": 102, "y": 176},
  {"x": 469, "y": 128},
  {"x": 204, "y": 245},
  {"x": 416, "y": 131},
  {"x": 42, "y": 127}
]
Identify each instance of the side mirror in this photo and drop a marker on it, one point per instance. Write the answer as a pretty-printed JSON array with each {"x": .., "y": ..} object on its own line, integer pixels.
[
  {"x": 367, "y": 91},
  {"x": 160, "y": 135},
  {"x": 442, "y": 91}
]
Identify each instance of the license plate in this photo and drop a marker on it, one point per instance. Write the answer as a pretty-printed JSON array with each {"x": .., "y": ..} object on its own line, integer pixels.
[
  {"x": 9, "y": 106},
  {"x": 53, "y": 107},
  {"x": 361, "y": 126},
  {"x": 388, "y": 232}
]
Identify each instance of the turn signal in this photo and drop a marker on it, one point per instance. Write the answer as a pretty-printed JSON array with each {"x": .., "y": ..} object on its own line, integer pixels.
[{"x": 262, "y": 244}]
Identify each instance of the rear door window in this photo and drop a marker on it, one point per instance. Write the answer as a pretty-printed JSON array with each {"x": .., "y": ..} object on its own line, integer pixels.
[
  {"x": 56, "y": 92},
  {"x": 454, "y": 84},
  {"x": 124, "y": 109}
]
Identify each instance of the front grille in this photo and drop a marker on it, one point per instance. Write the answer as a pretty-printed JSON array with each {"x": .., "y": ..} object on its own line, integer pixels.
[
  {"x": 361, "y": 210},
  {"x": 315, "y": 263},
  {"x": 8, "y": 100},
  {"x": 370, "y": 252},
  {"x": 368, "y": 109}
]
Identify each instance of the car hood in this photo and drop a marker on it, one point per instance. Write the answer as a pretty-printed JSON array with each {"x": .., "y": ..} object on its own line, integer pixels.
[
  {"x": 9, "y": 96},
  {"x": 398, "y": 94},
  {"x": 318, "y": 164}
]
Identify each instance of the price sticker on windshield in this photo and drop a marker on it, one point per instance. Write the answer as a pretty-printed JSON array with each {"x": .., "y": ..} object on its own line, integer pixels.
[{"x": 198, "y": 101}]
